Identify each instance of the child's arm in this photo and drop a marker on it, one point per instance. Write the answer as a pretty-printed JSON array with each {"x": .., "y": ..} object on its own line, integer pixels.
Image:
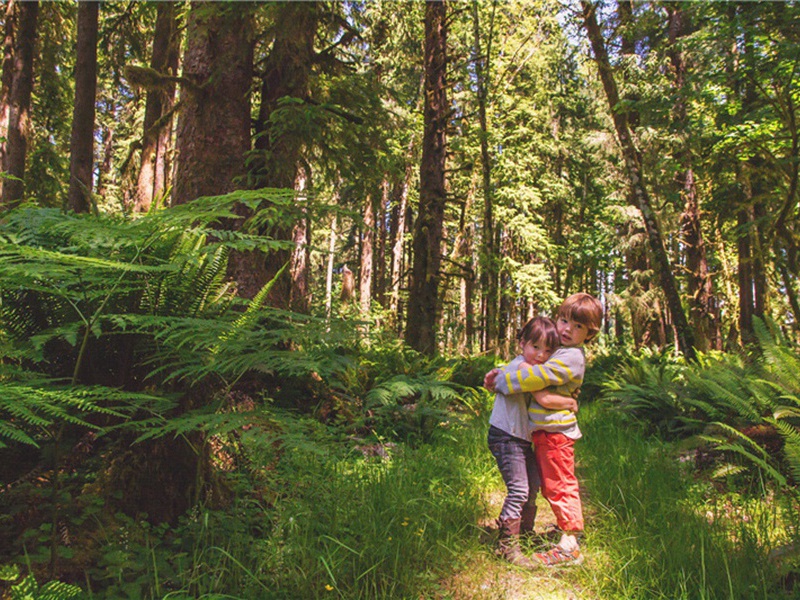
[
  {"x": 550, "y": 400},
  {"x": 566, "y": 365}
]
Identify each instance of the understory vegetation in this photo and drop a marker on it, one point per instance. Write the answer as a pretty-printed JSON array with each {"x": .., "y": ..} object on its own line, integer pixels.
[{"x": 162, "y": 439}]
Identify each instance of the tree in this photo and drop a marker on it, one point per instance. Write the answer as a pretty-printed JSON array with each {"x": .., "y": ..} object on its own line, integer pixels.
[
  {"x": 19, "y": 105},
  {"x": 683, "y": 334},
  {"x": 213, "y": 133},
  {"x": 489, "y": 275},
  {"x": 424, "y": 289},
  {"x": 157, "y": 126},
  {"x": 699, "y": 284},
  {"x": 81, "y": 146}
]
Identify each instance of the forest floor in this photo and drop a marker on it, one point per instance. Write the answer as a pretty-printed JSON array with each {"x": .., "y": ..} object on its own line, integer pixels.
[{"x": 484, "y": 576}]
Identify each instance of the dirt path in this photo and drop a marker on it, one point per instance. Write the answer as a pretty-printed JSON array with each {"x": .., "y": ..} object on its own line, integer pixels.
[{"x": 483, "y": 576}]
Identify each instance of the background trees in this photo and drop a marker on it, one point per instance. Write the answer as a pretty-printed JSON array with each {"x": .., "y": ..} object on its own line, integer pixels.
[
  {"x": 209, "y": 208},
  {"x": 330, "y": 98}
]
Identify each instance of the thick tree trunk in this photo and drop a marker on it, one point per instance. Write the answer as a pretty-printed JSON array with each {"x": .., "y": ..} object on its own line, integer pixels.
[
  {"x": 423, "y": 296},
  {"x": 634, "y": 170},
  {"x": 19, "y": 105},
  {"x": 279, "y": 151},
  {"x": 213, "y": 134},
  {"x": 157, "y": 126},
  {"x": 81, "y": 144},
  {"x": 6, "y": 77}
]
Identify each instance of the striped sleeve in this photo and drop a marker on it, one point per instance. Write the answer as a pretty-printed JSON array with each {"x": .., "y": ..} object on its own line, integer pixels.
[{"x": 565, "y": 367}]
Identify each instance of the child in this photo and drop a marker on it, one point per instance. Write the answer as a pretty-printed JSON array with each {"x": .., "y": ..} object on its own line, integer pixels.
[
  {"x": 509, "y": 441},
  {"x": 555, "y": 431}
]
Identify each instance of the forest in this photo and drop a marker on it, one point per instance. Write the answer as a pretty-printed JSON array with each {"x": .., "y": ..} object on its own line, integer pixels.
[{"x": 256, "y": 258}]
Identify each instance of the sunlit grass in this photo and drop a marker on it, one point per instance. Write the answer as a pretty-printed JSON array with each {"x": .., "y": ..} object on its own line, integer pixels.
[{"x": 652, "y": 534}]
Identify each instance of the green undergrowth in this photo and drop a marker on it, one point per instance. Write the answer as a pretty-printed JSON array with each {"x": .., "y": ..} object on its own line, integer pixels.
[
  {"x": 657, "y": 531},
  {"x": 316, "y": 517}
]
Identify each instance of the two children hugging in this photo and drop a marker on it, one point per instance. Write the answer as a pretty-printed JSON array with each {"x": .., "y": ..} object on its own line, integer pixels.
[{"x": 550, "y": 368}]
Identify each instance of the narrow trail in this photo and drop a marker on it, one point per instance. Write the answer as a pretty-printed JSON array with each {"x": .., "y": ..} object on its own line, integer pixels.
[{"x": 483, "y": 576}]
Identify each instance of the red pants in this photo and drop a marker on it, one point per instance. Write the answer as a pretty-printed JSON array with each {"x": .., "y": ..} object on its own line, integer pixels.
[{"x": 555, "y": 455}]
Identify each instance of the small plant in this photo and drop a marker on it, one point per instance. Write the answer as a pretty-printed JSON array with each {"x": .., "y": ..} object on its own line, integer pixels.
[{"x": 26, "y": 588}]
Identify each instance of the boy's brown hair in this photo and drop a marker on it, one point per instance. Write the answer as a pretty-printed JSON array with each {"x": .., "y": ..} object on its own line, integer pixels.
[
  {"x": 540, "y": 328},
  {"x": 584, "y": 309}
]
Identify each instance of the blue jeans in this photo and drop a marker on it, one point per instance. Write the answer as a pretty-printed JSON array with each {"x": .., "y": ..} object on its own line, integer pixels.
[{"x": 517, "y": 465}]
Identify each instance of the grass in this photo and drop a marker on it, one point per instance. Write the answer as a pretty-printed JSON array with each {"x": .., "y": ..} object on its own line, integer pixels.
[
  {"x": 317, "y": 521},
  {"x": 653, "y": 531}
]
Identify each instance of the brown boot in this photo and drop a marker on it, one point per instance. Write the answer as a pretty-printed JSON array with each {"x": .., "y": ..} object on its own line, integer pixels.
[
  {"x": 527, "y": 519},
  {"x": 508, "y": 546}
]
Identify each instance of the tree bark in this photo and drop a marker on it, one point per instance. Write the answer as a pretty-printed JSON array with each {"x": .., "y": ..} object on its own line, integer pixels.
[
  {"x": 213, "y": 134},
  {"x": 279, "y": 151},
  {"x": 423, "y": 296},
  {"x": 489, "y": 271},
  {"x": 367, "y": 256},
  {"x": 81, "y": 144},
  {"x": 157, "y": 126},
  {"x": 398, "y": 237},
  {"x": 329, "y": 267},
  {"x": 19, "y": 105},
  {"x": 635, "y": 175},
  {"x": 6, "y": 77},
  {"x": 382, "y": 232},
  {"x": 702, "y": 311},
  {"x": 300, "y": 300}
]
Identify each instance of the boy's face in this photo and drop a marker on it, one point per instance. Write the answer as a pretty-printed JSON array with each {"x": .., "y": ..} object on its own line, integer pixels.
[
  {"x": 536, "y": 352},
  {"x": 571, "y": 332}
]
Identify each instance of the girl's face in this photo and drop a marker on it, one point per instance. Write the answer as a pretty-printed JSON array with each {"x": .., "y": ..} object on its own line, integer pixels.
[{"x": 536, "y": 352}]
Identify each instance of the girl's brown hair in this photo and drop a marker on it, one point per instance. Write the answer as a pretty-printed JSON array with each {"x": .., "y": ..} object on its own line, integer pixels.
[{"x": 540, "y": 328}]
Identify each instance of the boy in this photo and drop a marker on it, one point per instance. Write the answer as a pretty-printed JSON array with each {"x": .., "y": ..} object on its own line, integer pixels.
[
  {"x": 509, "y": 441},
  {"x": 555, "y": 431}
]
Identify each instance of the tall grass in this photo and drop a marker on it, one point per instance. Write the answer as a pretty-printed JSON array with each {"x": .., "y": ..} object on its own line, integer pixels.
[
  {"x": 654, "y": 533},
  {"x": 321, "y": 522}
]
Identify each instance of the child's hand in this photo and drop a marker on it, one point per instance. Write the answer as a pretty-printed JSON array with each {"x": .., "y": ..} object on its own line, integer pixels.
[{"x": 489, "y": 378}]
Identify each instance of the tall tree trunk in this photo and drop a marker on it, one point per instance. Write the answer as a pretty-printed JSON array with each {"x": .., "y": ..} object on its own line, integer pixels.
[
  {"x": 107, "y": 156},
  {"x": 635, "y": 175},
  {"x": 382, "y": 231},
  {"x": 287, "y": 73},
  {"x": 423, "y": 296},
  {"x": 462, "y": 258},
  {"x": 300, "y": 298},
  {"x": 489, "y": 272},
  {"x": 702, "y": 313},
  {"x": 367, "y": 256},
  {"x": 81, "y": 144},
  {"x": 19, "y": 104},
  {"x": 398, "y": 237},
  {"x": 329, "y": 267},
  {"x": 213, "y": 133},
  {"x": 157, "y": 126},
  {"x": 745, "y": 275},
  {"x": 6, "y": 77}
]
